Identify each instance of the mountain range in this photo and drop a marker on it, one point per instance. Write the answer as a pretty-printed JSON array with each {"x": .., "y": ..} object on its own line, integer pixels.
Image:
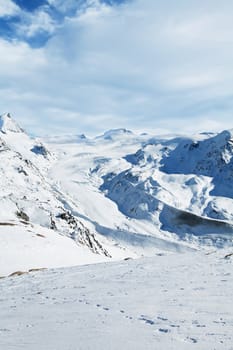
[{"x": 68, "y": 200}]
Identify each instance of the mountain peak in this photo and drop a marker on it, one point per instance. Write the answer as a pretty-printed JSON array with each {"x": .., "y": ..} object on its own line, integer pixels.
[
  {"x": 114, "y": 133},
  {"x": 7, "y": 124}
]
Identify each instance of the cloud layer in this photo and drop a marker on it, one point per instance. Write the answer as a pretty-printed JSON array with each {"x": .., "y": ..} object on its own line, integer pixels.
[
  {"x": 8, "y": 8},
  {"x": 143, "y": 65}
]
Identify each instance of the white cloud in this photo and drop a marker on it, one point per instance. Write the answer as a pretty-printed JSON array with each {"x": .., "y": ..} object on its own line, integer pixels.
[
  {"x": 70, "y": 8},
  {"x": 34, "y": 23},
  {"x": 145, "y": 64},
  {"x": 8, "y": 8},
  {"x": 63, "y": 6}
]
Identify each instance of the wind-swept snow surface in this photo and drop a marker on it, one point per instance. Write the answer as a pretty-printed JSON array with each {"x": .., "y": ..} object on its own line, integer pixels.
[{"x": 171, "y": 301}]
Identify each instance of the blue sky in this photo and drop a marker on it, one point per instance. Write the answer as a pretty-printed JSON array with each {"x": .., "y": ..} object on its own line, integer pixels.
[{"x": 88, "y": 65}]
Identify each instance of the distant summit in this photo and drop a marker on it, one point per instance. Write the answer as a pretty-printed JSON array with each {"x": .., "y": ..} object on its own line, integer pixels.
[
  {"x": 115, "y": 133},
  {"x": 7, "y": 124}
]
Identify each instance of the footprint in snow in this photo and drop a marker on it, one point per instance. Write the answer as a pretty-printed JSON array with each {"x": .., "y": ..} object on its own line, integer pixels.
[
  {"x": 146, "y": 320},
  {"x": 104, "y": 308},
  {"x": 191, "y": 340},
  {"x": 164, "y": 330},
  {"x": 129, "y": 317},
  {"x": 162, "y": 318}
]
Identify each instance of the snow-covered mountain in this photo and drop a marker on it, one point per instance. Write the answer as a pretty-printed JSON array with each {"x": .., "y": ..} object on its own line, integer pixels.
[
  {"x": 72, "y": 199},
  {"x": 183, "y": 185},
  {"x": 36, "y": 229},
  {"x": 169, "y": 189}
]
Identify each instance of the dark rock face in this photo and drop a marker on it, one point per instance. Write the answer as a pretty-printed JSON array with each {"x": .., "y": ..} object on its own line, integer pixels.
[
  {"x": 22, "y": 215},
  {"x": 40, "y": 150},
  {"x": 81, "y": 234}
]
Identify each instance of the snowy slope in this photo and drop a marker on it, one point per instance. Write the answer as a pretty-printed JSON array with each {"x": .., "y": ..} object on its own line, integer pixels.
[
  {"x": 29, "y": 203},
  {"x": 25, "y": 247},
  {"x": 170, "y": 301}
]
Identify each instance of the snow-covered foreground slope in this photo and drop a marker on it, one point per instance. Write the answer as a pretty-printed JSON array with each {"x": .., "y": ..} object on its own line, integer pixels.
[
  {"x": 170, "y": 301},
  {"x": 25, "y": 247}
]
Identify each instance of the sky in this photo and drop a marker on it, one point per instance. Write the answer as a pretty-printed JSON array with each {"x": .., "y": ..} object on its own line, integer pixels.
[{"x": 86, "y": 66}]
